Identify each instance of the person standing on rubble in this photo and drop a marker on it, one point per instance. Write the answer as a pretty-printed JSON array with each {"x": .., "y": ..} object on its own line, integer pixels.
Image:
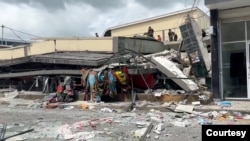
[
  {"x": 203, "y": 33},
  {"x": 150, "y": 32},
  {"x": 96, "y": 35},
  {"x": 175, "y": 36},
  {"x": 170, "y": 35},
  {"x": 69, "y": 90}
]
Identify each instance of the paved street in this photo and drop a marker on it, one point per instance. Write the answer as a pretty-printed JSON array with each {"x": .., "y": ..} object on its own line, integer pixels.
[
  {"x": 46, "y": 123},
  {"x": 74, "y": 123}
]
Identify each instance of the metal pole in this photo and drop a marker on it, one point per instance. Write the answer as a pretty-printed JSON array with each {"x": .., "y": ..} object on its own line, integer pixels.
[
  {"x": 2, "y": 34},
  {"x": 132, "y": 91},
  {"x": 150, "y": 127},
  {"x": 144, "y": 79},
  {"x": 215, "y": 58}
]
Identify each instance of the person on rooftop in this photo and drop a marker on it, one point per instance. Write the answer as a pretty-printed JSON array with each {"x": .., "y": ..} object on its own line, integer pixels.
[{"x": 150, "y": 32}]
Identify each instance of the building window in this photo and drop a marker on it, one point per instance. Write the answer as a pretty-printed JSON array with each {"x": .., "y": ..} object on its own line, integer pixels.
[
  {"x": 248, "y": 30},
  {"x": 233, "y": 31},
  {"x": 233, "y": 37},
  {"x": 234, "y": 69}
]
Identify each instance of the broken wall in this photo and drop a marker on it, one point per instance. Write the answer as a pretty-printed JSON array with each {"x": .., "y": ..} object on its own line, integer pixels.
[{"x": 197, "y": 52}]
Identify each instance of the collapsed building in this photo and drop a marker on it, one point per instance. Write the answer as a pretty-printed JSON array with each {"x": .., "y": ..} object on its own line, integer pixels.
[{"x": 116, "y": 64}]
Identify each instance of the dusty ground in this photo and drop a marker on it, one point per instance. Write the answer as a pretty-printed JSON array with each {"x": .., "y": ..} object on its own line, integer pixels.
[
  {"x": 105, "y": 126},
  {"x": 46, "y": 122}
]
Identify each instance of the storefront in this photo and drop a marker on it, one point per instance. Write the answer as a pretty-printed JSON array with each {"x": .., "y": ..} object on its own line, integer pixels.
[{"x": 230, "y": 42}]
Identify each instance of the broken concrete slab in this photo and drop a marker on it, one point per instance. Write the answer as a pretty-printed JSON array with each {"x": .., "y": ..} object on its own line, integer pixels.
[
  {"x": 196, "y": 103},
  {"x": 10, "y": 95},
  {"x": 173, "y": 72},
  {"x": 181, "y": 124},
  {"x": 184, "y": 108}
]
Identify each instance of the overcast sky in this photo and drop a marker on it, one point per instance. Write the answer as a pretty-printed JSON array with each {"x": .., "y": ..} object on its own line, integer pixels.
[{"x": 70, "y": 18}]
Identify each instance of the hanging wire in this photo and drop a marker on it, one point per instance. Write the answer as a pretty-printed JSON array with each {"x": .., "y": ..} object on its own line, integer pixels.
[
  {"x": 18, "y": 36},
  {"x": 21, "y": 32},
  {"x": 194, "y": 4}
]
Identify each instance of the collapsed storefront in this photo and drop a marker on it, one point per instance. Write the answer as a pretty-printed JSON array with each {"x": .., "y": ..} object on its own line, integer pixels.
[{"x": 130, "y": 69}]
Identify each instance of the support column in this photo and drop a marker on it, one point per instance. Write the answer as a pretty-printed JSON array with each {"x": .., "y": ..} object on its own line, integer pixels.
[
  {"x": 163, "y": 35},
  {"x": 215, "y": 59}
]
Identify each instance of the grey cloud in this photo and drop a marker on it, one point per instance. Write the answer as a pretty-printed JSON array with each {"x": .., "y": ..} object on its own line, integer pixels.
[
  {"x": 106, "y": 4},
  {"x": 163, "y": 3},
  {"x": 80, "y": 17},
  {"x": 48, "y": 4},
  {"x": 53, "y": 5}
]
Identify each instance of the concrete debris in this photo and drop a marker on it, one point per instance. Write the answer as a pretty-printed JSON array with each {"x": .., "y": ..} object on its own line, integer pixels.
[
  {"x": 17, "y": 134},
  {"x": 123, "y": 115},
  {"x": 82, "y": 136},
  {"x": 246, "y": 117},
  {"x": 153, "y": 110},
  {"x": 168, "y": 134},
  {"x": 157, "y": 114},
  {"x": 122, "y": 126},
  {"x": 196, "y": 103},
  {"x": 148, "y": 91},
  {"x": 181, "y": 124},
  {"x": 65, "y": 132},
  {"x": 169, "y": 69},
  {"x": 106, "y": 110},
  {"x": 142, "y": 124},
  {"x": 214, "y": 114},
  {"x": 156, "y": 137},
  {"x": 168, "y": 104},
  {"x": 147, "y": 132},
  {"x": 140, "y": 132},
  {"x": 157, "y": 132},
  {"x": 157, "y": 94},
  {"x": 156, "y": 119},
  {"x": 183, "y": 102},
  {"x": 17, "y": 138},
  {"x": 187, "y": 71},
  {"x": 180, "y": 91},
  {"x": 10, "y": 95},
  {"x": 159, "y": 127},
  {"x": 185, "y": 108},
  {"x": 205, "y": 97},
  {"x": 210, "y": 115},
  {"x": 142, "y": 103}
]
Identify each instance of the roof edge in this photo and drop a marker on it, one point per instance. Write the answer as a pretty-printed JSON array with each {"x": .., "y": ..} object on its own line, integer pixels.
[{"x": 156, "y": 17}]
